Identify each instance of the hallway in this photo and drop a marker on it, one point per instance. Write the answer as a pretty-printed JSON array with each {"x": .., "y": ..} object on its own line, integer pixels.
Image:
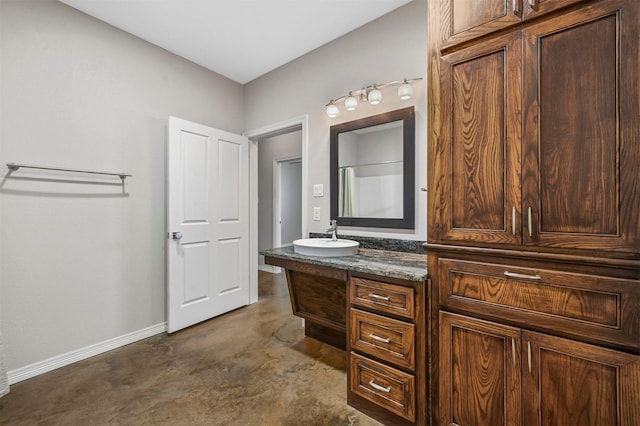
[{"x": 252, "y": 366}]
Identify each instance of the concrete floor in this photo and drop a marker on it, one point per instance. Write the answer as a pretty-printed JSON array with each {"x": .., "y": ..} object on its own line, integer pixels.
[{"x": 252, "y": 366}]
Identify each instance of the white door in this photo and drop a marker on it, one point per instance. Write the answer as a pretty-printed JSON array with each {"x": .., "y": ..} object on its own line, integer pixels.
[{"x": 208, "y": 223}]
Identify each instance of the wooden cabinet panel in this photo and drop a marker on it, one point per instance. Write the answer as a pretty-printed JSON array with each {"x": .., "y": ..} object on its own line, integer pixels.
[
  {"x": 481, "y": 103},
  {"x": 387, "y": 347},
  {"x": 556, "y": 381},
  {"x": 386, "y": 338},
  {"x": 320, "y": 299},
  {"x": 594, "y": 307},
  {"x": 384, "y": 297},
  {"x": 570, "y": 383},
  {"x": 479, "y": 372},
  {"x": 464, "y": 20},
  {"x": 580, "y": 83},
  {"x": 383, "y": 385},
  {"x": 539, "y": 143},
  {"x": 535, "y": 8}
]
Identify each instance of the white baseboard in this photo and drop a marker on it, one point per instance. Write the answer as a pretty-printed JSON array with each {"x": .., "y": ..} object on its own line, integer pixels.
[
  {"x": 270, "y": 268},
  {"x": 41, "y": 367}
]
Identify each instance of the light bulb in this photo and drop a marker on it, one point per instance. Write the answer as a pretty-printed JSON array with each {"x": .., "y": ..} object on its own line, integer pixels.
[
  {"x": 375, "y": 96},
  {"x": 351, "y": 103},
  {"x": 332, "y": 110},
  {"x": 405, "y": 91}
]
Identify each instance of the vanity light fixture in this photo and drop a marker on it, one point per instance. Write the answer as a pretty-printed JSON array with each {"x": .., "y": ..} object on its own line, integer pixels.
[
  {"x": 405, "y": 91},
  {"x": 371, "y": 94},
  {"x": 374, "y": 96},
  {"x": 351, "y": 103},
  {"x": 332, "y": 109}
]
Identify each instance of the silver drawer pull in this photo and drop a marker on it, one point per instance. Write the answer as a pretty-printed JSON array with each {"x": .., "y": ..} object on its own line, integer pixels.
[
  {"x": 378, "y": 387},
  {"x": 523, "y": 276},
  {"x": 380, "y": 339},
  {"x": 377, "y": 296}
]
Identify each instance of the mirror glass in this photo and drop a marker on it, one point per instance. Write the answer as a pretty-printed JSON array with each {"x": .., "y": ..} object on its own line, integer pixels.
[{"x": 372, "y": 171}]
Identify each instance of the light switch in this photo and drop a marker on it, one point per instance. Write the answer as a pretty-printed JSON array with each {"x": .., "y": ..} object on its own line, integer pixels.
[
  {"x": 318, "y": 190},
  {"x": 316, "y": 213}
]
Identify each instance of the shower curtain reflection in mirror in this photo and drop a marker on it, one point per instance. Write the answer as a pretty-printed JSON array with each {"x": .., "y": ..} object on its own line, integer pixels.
[{"x": 346, "y": 204}]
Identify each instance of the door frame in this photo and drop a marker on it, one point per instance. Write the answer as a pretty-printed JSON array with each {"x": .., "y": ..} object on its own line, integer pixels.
[
  {"x": 277, "y": 196},
  {"x": 254, "y": 135}
]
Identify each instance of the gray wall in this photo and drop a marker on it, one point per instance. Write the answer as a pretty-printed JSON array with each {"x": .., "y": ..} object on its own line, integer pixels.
[
  {"x": 288, "y": 145},
  {"x": 82, "y": 263},
  {"x": 387, "y": 49}
]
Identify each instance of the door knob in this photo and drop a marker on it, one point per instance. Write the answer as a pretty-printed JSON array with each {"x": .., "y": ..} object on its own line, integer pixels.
[{"x": 177, "y": 235}]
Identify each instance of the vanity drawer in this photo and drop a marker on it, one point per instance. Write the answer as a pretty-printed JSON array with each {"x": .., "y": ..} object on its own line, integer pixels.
[
  {"x": 387, "y": 387},
  {"x": 580, "y": 305},
  {"x": 384, "y": 297},
  {"x": 385, "y": 338}
]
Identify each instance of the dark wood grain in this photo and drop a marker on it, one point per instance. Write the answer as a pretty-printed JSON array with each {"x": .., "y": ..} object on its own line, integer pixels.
[
  {"x": 372, "y": 293},
  {"x": 538, "y": 8},
  {"x": 579, "y": 177},
  {"x": 320, "y": 299},
  {"x": 479, "y": 381},
  {"x": 481, "y": 131},
  {"x": 575, "y": 384},
  {"x": 399, "y": 351},
  {"x": 540, "y": 115},
  {"x": 319, "y": 295},
  {"x": 462, "y": 20},
  {"x": 405, "y": 320},
  {"x": 400, "y": 399},
  {"x": 597, "y": 308}
]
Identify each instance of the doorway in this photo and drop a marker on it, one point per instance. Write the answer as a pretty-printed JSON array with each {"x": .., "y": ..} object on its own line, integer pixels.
[
  {"x": 287, "y": 201},
  {"x": 261, "y": 201}
]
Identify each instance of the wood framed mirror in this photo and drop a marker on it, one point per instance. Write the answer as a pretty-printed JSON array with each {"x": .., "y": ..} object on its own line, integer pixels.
[{"x": 373, "y": 171}]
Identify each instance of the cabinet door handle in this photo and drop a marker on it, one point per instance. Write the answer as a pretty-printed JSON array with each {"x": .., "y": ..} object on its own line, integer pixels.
[
  {"x": 513, "y": 220},
  {"x": 516, "y": 7},
  {"x": 523, "y": 276},
  {"x": 377, "y": 296},
  {"x": 380, "y": 339},
  {"x": 530, "y": 222},
  {"x": 513, "y": 351},
  {"x": 529, "y": 355},
  {"x": 378, "y": 387}
]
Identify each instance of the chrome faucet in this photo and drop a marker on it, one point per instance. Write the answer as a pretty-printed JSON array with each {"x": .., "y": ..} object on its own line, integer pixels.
[{"x": 333, "y": 228}]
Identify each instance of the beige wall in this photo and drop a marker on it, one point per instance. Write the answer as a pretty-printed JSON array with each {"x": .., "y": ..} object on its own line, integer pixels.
[
  {"x": 388, "y": 49},
  {"x": 83, "y": 263}
]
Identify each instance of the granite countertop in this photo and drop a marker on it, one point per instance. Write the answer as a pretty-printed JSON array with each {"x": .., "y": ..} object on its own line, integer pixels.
[{"x": 393, "y": 264}]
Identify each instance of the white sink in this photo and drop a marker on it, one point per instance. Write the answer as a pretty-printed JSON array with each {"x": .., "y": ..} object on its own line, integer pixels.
[{"x": 325, "y": 247}]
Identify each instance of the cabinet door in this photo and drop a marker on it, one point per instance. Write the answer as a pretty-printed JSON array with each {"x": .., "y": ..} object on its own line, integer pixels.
[
  {"x": 479, "y": 372},
  {"x": 581, "y": 130},
  {"x": 480, "y": 163},
  {"x": 535, "y": 8},
  {"x": 463, "y": 20},
  {"x": 569, "y": 383}
]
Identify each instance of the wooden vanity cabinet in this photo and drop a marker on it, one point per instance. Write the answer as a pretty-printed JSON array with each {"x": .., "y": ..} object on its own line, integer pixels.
[
  {"x": 319, "y": 295},
  {"x": 534, "y": 211},
  {"x": 538, "y": 141},
  {"x": 528, "y": 341},
  {"x": 464, "y": 20},
  {"x": 493, "y": 374},
  {"x": 386, "y": 346}
]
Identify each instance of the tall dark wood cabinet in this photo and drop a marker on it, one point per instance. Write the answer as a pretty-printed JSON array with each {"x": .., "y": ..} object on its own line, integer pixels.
[{"x": 534, "y": 211}]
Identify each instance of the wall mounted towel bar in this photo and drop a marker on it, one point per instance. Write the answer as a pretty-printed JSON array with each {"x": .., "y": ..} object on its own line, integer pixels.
[{"x": 15, "y": 166}]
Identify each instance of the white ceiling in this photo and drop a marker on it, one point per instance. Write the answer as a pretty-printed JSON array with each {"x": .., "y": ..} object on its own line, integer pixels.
[{"x": 240, "y": 39}]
